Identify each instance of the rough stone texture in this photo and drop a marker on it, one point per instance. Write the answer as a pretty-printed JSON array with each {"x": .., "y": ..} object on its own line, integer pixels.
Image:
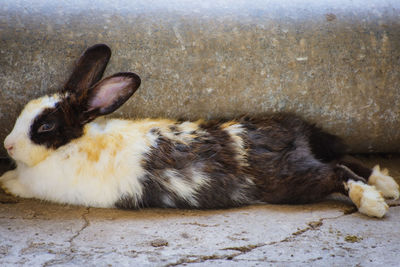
[
  {"x": 34, "y": 233},
  {"x": 335, "y": 62}
]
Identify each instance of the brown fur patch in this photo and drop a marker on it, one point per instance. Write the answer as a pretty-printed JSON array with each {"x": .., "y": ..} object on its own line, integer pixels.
[{"x": 94, "y": 146}]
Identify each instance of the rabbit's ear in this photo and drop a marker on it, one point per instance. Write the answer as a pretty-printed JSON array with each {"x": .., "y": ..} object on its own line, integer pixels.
[
  {"x": 89, "y": 69},
  {"x": 110, "y": 93}
]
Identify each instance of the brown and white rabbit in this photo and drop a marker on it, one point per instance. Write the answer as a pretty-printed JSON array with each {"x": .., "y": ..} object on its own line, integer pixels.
[{"x": 64, "y": 155}]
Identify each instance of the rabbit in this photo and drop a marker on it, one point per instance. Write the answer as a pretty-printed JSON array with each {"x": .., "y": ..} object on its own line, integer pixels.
[{"x": 66, "y": 153}]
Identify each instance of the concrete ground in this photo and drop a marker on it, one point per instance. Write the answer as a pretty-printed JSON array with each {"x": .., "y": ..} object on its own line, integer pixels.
[{"x": 332, "y": 233}]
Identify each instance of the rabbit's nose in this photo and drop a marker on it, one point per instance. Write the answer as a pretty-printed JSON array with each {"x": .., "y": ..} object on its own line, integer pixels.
[{"x": 8, "y": 146}]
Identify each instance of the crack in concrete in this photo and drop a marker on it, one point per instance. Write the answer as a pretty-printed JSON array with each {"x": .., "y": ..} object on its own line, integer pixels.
[
  {"x": 312, "y": 225},
  {"x": 55, "y": 261},
  {"x": 85, "y": 225},
  {"x": 203, "y": 258},
  {"x": 244, "y": 249},
  {"x": 69, "y": 257}
]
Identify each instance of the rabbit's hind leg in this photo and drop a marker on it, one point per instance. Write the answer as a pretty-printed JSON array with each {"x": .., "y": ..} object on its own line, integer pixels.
[
  {"x": 367, "y": 198},
  {"x": 384, "y": 183},
  {"x": 377, "y": 177}
]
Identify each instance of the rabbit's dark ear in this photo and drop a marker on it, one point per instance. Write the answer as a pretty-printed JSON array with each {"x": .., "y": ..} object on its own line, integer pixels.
[
  {"x": 110, "y": 93},
  {"x": 89, "y": 69}
]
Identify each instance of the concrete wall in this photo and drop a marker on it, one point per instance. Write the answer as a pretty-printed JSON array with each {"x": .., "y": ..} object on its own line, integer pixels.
[{"x": 334, "y": 62}]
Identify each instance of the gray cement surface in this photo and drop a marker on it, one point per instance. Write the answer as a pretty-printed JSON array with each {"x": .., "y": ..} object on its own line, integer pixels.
[{"x": 331, "y": 233}]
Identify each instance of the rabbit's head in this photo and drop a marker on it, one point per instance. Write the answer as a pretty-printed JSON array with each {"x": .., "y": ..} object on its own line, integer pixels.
[{"x": 49, "y": 122}]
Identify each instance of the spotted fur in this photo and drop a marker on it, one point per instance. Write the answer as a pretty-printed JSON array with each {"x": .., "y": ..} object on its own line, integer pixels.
[{"x": 66, "y": 153}]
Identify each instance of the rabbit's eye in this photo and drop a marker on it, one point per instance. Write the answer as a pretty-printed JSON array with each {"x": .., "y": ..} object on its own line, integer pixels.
[{"x": 46, "y": 127}]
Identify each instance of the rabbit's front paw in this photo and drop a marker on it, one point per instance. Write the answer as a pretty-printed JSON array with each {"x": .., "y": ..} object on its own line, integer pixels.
[
  {"x": 384, "y": 183},
  {"x": 368, "y": 200},
  {"x": 7, "y": 176},
  {"x": 12, "y": 186}
]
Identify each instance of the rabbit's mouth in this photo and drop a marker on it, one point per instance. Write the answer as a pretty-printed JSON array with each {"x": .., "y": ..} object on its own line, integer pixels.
[{"x": 10, "y": 152}]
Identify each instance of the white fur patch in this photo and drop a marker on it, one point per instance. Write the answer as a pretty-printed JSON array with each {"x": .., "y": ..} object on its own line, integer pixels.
[
  {"x": 384, "y": 183},
  {"x": 367, "y": 199},
  {"x": 234, "y": 130},
  {"x": 184, "y": 187}
]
